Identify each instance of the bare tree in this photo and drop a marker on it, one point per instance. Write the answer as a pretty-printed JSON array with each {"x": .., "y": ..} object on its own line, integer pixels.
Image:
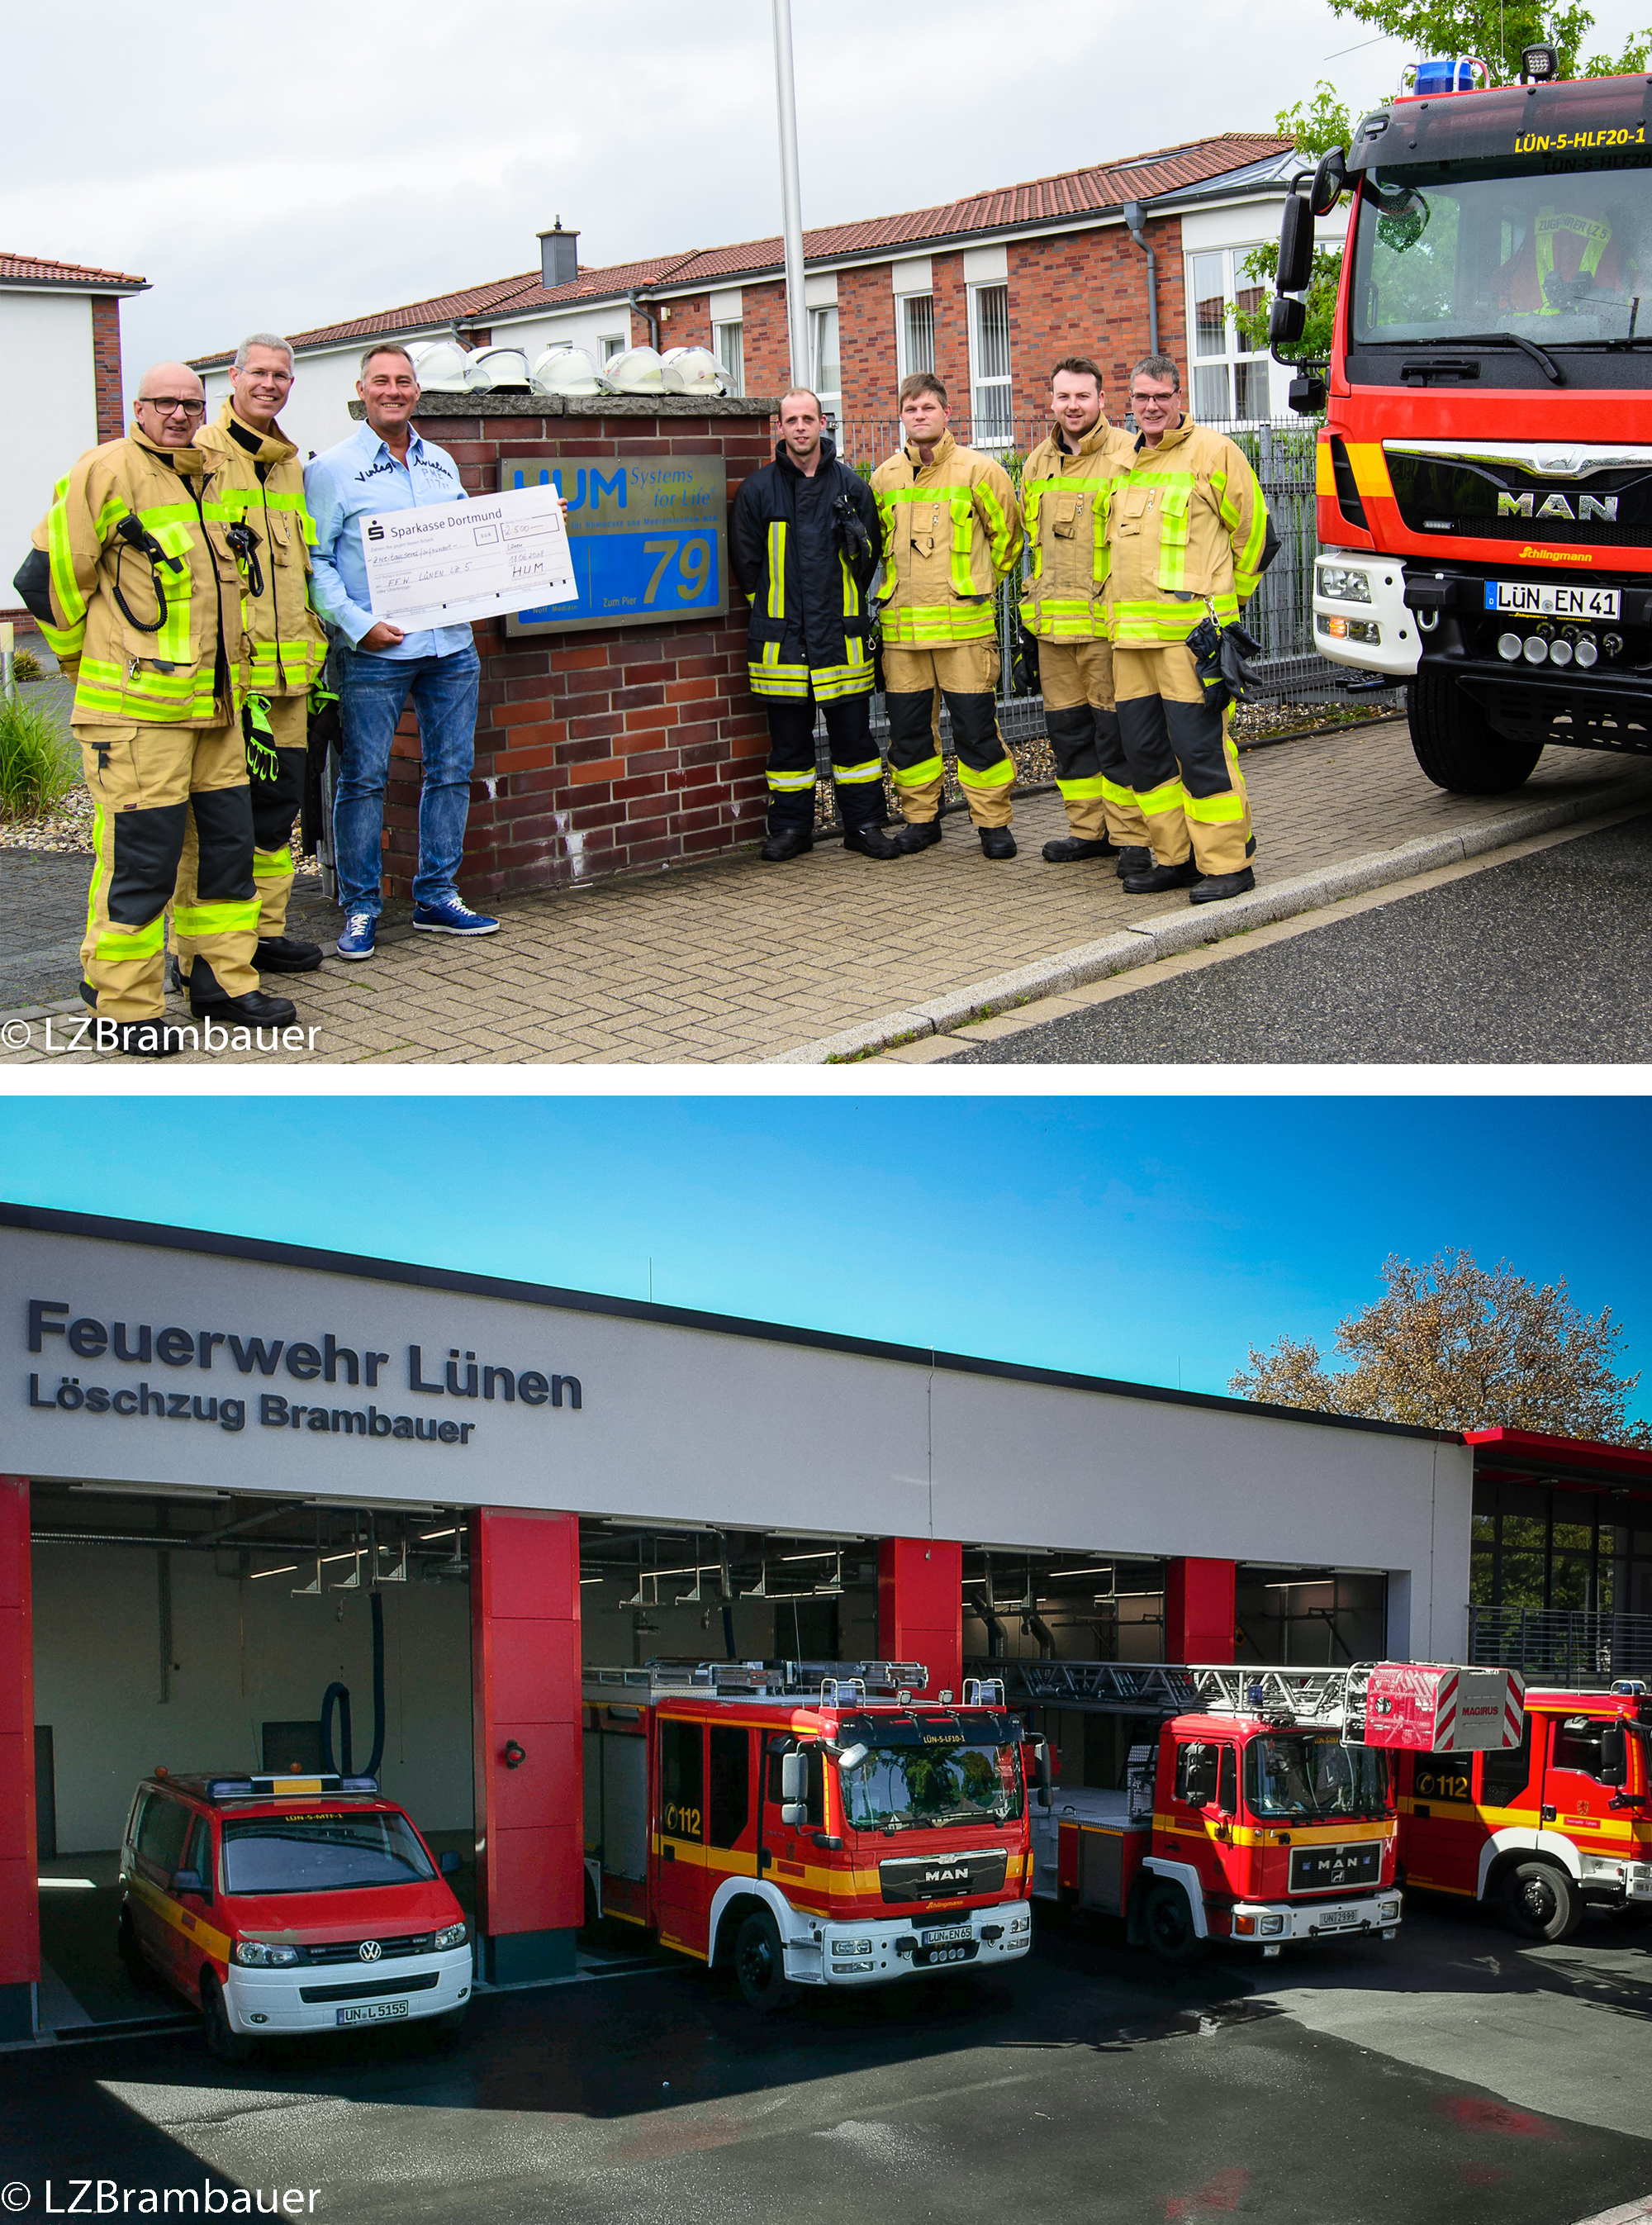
[{"x": 1455, "y": 1345}]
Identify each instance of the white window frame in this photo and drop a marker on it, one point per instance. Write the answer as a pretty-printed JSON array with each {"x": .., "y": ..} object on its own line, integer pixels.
[
  {"x": 1235, "y": 355},
  {"x": 831, "y": 398},
  {"x": 728, "y": 345},
  {"x": 994, "y": 385},
  {"x": 612, "y": 343},
  {"x": 904, "y": 364}
]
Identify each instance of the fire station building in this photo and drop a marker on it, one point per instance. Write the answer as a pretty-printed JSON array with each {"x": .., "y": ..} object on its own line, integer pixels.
[{"x": 216, "y": 1453}]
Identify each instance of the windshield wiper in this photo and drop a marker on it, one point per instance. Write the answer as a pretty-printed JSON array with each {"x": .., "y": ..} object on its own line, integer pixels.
[{"x": 1540, "y": 357}]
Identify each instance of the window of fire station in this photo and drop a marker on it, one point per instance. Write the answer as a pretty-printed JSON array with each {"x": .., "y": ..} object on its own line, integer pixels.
[
  {"x": 1229, "y": 376},
  {"x": 992, "y": 423},
  {"x": 1545, "y": 1563},
  {"x": 728, "y": 345},
  {"x": 915, "y": 332},
  {"x": 683, "y": 1785},
  {"x": 824, "y": 359}
]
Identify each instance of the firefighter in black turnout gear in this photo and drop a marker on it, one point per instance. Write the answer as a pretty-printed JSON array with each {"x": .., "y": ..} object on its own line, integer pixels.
[{"x": 804, "y": 543}]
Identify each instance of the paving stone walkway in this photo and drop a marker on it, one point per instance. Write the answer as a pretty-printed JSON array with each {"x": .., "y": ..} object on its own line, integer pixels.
[{"x": 736, "y": 962}]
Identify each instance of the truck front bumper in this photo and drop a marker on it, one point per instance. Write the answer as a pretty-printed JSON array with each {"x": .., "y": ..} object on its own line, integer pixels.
[
  {"x": 1378, "y": 634},
  {"x": 858, "y": 1953},
  {"x": 1269, "y": 1923}
]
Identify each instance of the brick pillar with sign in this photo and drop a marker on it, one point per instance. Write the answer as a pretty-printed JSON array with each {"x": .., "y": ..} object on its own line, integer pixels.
[{"x": 618, "y": 735}]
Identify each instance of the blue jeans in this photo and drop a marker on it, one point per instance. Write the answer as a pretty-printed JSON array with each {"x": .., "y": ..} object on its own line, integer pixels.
[{"x": 373, "y": 692}]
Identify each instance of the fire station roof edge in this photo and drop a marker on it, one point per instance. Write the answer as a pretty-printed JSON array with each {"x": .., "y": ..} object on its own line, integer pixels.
[
  {"x": 49, "y": 1220},
  {"x": 40, "y": 272}
]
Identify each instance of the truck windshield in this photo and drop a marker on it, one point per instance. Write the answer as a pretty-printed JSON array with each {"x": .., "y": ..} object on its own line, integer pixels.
[
  {"x": 1465, "y": 250},
  {"x": 1308, "y": 1774},
  {"x": 903, "y": 1787},
  {"x": 320, "y": 1854}
]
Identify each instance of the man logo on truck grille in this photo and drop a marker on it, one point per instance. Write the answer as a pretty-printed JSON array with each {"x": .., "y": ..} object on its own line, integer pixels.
[
  {"x": 945, "y": 1877},
  {"x": 1589, "y": 506}
]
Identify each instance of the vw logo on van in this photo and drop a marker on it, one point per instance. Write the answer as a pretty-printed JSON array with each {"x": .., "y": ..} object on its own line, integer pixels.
[{"x": 369, "y": 1950}]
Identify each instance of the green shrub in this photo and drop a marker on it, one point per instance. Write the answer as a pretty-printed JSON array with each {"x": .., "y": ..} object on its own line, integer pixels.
[{"x": 37, "y": 762}]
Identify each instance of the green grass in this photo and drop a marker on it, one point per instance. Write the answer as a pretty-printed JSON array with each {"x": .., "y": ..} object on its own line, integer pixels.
[{"x": 37, "y": 762}]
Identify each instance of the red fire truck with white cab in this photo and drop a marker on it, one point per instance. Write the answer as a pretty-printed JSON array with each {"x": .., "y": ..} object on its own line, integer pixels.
[
  {"x": 1264, "y": 1811},
  {"x": 807, "y": 1824},
  {"x": 1484, "y": 464},
  {"x": 1546, "y": 1828}
]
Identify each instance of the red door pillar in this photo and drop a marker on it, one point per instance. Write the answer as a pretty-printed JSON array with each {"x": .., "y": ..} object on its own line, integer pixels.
[
  {"x": 529, "y": 1774},
  {"x": 920, "y": 1607},
  {"x": 19, "y": 1893},
  {"x": 1199, "y": 1610}
]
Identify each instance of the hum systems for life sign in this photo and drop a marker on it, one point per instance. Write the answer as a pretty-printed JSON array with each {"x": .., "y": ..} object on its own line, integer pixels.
[{"x": 648, "y": 538}]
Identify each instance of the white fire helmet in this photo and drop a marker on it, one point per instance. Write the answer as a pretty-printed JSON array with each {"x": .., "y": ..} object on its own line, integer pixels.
[
  {"x": 637, "y": 371},
  {"x": 439, "y": 367},
  {"x": 567, "y": 370},
  {"x": 496, "y": 366},
  {"x": 691, "y": 370}
]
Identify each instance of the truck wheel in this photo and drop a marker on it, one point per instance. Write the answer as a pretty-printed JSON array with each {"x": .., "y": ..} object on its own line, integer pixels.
[
  {"x": 134, "y": 1961},
  {"x": 760, "y": 1964},
  {"x": 1455, "y": 745},
  {"x": 224, "y": 2043},
  {"x": 1167, "y": 1921},
  {"x": 1540, "y": 1901}
]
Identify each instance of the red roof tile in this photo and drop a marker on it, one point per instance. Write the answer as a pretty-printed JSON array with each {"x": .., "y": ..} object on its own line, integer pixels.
[{"x": 39, "y": 270}]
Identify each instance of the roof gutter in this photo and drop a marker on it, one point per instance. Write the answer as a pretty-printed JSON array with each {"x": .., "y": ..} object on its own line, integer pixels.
[
  {"x": 645, "y": 310},
  {"x": 1133, "y": 218}
]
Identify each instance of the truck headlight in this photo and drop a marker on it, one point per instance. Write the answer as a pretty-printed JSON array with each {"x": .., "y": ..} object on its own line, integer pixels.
[
  {"x": 1269, "y": 1925},
  {"x": 1388, "y": 1912},
  {"x": 451, "y": 1935},
  {"x": 1339, "y": 585},
  {"x": 852, "y": 1946},
  {"x": 258, "y": 1954}
]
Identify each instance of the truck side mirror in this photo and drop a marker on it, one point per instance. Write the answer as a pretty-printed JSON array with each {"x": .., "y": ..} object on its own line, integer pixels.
[
  {"x": 1295, "y": 246},
  {"x": 1329, "y": 182},
  {"x": 794, "y": 1781},
  {"x": 793, "y": 1812},
  {"x": 1613, "y": 1756},
  {"x": 187, "y": 1881},
  {"x": 1287, "y": 321},
  {"x": 853, "y": 1758},
  {"x": 1045, "y": 1786}
]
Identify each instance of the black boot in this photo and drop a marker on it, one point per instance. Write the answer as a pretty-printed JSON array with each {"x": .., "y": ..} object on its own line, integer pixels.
[
  {"x": 1133, "y": 860},
  {"x": 870, "y": 841},
  {"x": 997, "y": 842},
  {"x": 1215, "y": 886},
  {"x": 253, "y": 1009},
  {"x": 917, "y": 835},
  {"x": 1157, "y": 878},
  {"x": 1069, "y": 848},
  {"x": 285, "y": 953},
  {"x": 787, "y": 842}
]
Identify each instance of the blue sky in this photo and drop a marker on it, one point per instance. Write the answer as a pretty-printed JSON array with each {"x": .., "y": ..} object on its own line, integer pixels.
[{"x": 1149, "y": 1238}]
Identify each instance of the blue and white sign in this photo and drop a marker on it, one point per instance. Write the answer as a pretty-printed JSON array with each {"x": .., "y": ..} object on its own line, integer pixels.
[{"x": 648, "y": 536}]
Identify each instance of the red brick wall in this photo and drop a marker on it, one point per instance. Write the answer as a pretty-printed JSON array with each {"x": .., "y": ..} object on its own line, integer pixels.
[
  {"x": 1085, "y": 293},
  {"x": 866, "y": 341},
  {"x": 106, "y": 356},
  {"x": 606, "y": 752}
]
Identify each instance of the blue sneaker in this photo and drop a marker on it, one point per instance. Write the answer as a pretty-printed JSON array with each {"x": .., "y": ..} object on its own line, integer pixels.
[
  {"x": 452, "y": 917},
  {"x": 357, "y": 941}
]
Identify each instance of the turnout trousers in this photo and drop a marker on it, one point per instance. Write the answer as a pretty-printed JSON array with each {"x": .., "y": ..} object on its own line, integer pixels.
[
  {"x": 966, "y": 674},
  {"x": 1183, "y": 765},
  {"x": 1091, "y": 768},
  {"x": 147, "y": 784},
  {"x": 857, "y": 769},
  {"x": 275, "y": 801}
]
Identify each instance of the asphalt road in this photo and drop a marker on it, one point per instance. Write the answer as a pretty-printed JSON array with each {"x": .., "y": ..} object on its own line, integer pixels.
[
  {"x": 1451, "y": 2079},
  {"x": 1547, "y": 959}
]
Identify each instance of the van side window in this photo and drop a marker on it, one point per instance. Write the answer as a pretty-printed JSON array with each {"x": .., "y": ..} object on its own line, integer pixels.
[
  {"x": 162, "y": 1833},
  {"x": 1506, "y": 1772},
  {"x": 199, "y": 1854}
]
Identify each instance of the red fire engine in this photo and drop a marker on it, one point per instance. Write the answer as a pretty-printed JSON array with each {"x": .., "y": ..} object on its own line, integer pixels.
[
  {"x": 807, "y": 1823},
  {"x": 1560, "y": 1822},
  {"x": 1484, "y": 466},
  {"x": 1265, "y": 1812}
]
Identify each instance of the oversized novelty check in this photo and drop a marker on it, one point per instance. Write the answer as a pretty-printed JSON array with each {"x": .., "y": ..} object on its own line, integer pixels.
[{"x": 458, "y": 561}]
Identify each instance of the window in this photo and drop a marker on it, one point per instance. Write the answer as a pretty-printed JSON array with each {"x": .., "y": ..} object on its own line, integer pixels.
[
  {"x": 324, "y": 1853},
  {"x": 915, "y": 332},
  {"x": 612, "y": 343},
  {"x": 990, "y": 366},
  {"x": 1229, "y": 375},
  {"x": 1195, "y": 1774},
  {"x": 1590, "y": 1747},
  {"x": 1227, "y": 1793},
  {"x": 828, "y": 376},
  {"x": 728, "y": 345},
  {"x": 161, "y": 1833},
  {"x": 730, "y": 1804},
  {"x": 199, "y": 1856},
  {"x": 814, "y": 1780},
  {"x": 1506, "y": 1769},
  {"x": 683, "y": 1785}
]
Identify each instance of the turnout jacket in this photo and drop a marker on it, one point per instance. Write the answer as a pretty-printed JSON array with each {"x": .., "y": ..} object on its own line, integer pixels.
[
  {"x": 791, "y": 550},
  {"x": 952, "y": 529},
  {"x": 261, "y": 486},
  {"x": 1065, "y": 495},
  {"x": 1186, "y": 524}
]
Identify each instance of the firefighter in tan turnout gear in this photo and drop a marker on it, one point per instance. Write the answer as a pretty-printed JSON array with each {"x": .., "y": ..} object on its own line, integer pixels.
[
  {"x": 952, "y": 531},
  {"x": 133, "y": 581},
  {"x": 281, "y": 645},
  {"x": 1190, "y": 538},
  {"x": 1064, "y": 491}
]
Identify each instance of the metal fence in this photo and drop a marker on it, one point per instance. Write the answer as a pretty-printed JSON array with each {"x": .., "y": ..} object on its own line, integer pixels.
[{"x": 1576, "y": 1648}]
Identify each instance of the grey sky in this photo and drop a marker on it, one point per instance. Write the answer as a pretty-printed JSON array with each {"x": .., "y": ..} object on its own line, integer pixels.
[{"x": 332, "y": 160}]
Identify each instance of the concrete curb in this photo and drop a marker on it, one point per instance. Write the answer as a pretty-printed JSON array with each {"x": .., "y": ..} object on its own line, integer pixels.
[{"x": 1169, "y": 935}]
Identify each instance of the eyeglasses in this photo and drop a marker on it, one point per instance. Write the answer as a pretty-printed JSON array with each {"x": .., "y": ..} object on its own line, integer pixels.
[
  {"x": 1140, "y": 400},
  {"x": 169, "y": 405},
  {"x": 276, "y": 377}
]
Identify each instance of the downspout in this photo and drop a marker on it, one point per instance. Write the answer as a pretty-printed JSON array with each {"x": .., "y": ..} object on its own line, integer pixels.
[
  {"x": 1133, "y": 218},
  {"x": 645, "y": 310}
]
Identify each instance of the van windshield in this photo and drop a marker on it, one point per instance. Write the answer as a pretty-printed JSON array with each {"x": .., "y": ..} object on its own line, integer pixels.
[{"x": 320, "y": 1854}]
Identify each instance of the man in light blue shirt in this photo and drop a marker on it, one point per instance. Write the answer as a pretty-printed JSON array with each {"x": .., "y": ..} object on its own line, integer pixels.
[{"x": 386, "y": 465}]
